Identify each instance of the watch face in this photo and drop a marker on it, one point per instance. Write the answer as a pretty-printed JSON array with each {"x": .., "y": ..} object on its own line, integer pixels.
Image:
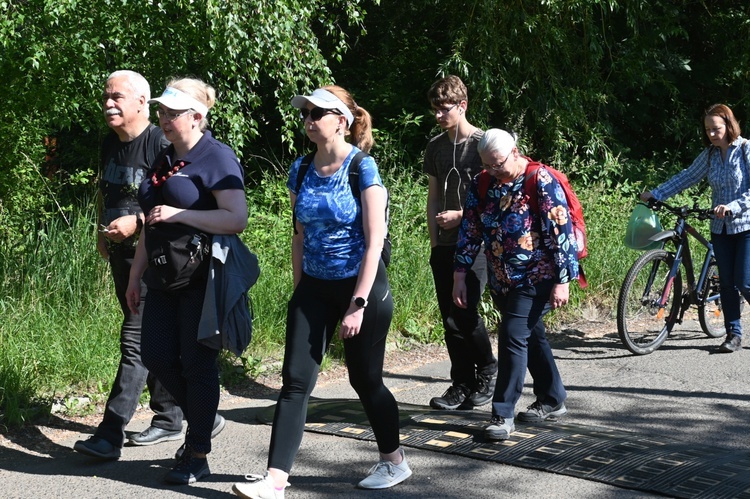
[{"x": 359, "y": 301}]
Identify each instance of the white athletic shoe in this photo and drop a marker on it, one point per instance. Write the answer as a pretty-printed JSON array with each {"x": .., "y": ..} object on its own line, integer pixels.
[
  {"x": 258, "y": 487},
  {"x": 386, "y": 474}
]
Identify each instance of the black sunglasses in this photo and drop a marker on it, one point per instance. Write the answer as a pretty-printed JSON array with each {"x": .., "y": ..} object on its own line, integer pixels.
[{"x": 316, "y": 113}]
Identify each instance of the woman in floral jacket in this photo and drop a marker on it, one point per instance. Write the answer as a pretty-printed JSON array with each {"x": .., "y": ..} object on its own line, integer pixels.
[{"x": 532, "y": 257}]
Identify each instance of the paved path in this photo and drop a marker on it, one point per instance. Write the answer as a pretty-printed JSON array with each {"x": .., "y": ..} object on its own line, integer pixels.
[{"x": 684, "y": 391}]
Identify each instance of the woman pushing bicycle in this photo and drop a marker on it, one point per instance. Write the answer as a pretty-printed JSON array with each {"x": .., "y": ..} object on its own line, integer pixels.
[{"x": 726, "y": 165}]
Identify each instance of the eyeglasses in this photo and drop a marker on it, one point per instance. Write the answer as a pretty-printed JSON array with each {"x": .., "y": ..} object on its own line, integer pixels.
[
  {"x": 497, "y": 166},
  {"x": 169, "y": 116},
  {"x": 316, "y": 113},
  {"x": 443, "y": 110}
]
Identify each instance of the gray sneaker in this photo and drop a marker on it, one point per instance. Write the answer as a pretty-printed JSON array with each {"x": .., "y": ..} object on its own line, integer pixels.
[
  {"x": 499, "y": 428},
  {"x": 538, "y": 412},
  {"x": 386, "y": 474}
]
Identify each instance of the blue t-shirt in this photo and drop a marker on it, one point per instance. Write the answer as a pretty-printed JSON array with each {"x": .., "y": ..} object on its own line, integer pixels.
[{"x": 334, "y": 239}]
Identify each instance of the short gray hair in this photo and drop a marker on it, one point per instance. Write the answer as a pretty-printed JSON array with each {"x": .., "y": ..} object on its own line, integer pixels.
[
  {"x": 137, "y": 82},
  {"x": 496, "y": 140}
]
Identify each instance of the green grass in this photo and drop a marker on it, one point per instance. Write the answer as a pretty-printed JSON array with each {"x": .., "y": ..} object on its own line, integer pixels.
[{"x": 59, "y": 337}]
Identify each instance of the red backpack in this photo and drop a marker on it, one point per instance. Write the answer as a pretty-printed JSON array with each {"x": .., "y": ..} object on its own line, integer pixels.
[{"x": 530, "y": 187}]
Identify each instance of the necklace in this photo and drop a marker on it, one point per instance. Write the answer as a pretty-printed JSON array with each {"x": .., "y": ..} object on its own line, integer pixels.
[{"x": 158, "y": 180}]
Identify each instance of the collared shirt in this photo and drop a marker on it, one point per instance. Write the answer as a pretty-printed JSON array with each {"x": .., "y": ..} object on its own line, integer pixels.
[
  {"x": 729, "y": 180},
  {"x": 522, "y": 246}
]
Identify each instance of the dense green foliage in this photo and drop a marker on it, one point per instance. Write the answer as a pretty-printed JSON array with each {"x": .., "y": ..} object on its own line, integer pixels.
[
  {"x": 59, "y": 334},
  {"x": 611, "y": 91}
]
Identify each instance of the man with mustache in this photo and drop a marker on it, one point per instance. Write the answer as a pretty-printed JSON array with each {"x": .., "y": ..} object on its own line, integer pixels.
[{"x": 125, "y": 157}]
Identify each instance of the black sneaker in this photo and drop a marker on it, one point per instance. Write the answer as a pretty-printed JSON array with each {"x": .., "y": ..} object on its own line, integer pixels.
[
  {"x": 189, "y": 469},
  {"x": 97, "y": 447},
  {"x": 733, "y": 343},
  {"x": 219, "y": 424},
  {"x": 455, "y": 397},
  {"x": 538, "y": 412},
  {"x": 484, "y": 389}
]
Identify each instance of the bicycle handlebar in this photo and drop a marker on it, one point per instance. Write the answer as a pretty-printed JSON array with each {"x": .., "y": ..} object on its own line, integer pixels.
[{"x": 682, "y": 211}]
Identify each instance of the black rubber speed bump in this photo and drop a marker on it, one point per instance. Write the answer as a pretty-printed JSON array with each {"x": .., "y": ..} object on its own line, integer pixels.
[{"x": 621, "y": 458}]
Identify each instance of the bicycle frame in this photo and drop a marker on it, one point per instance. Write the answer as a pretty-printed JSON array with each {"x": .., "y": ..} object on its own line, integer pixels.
[{"x": 679, "y": 236}]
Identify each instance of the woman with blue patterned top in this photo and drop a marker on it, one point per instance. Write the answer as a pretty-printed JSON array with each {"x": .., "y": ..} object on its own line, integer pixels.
[
  {"x": 340, "y": 286},
  {"x": 726, "y": 165},
  {"x": 532, "y": 257}
]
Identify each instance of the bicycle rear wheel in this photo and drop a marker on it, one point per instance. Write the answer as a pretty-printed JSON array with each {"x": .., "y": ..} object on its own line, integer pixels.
[
  {"x": 641, "y": 323},
  {"x": 710, "y": 311}
]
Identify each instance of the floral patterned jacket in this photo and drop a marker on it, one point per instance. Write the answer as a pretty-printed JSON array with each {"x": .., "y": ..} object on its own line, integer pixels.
[{"x": 522, "y": 247}]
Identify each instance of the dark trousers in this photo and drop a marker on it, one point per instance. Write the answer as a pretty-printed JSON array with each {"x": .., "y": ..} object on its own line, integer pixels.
[
  {"x": 131, "y": 374},
  {"x": 466, "y": 337},
  {"x": 314, "y": 313},
  {"x": 522, "y": 343},
  {"x": 732, "y": 253},
  {"x": 186, "y": 368}
]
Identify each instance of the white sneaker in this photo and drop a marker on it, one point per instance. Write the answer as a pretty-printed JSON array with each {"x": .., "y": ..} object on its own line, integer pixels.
[
  {"x": 386, "y": 474},
  {"x": 258, "y": 487}
]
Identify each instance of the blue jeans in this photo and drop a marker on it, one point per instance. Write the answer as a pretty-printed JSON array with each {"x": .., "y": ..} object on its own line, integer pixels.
[
  {"x": 466, "y": 338},
  {"x": 131, "y": 374},
  {"x": 733, "y": 259},
  {"x": 522, "y": 343}
]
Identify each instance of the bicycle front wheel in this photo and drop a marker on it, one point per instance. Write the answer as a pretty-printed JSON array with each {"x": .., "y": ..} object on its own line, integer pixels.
[
  {"x": 710, "y": 311},
  {"x": 642, "y": 324}
]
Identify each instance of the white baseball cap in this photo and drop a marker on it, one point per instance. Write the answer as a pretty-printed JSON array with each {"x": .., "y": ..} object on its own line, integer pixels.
[
  {"x": 326, "y": 100},
  {"x": 179, "y": 100}
]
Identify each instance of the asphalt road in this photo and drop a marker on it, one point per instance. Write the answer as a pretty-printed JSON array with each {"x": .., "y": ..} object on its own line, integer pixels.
[{"x": 684, "y": 390}]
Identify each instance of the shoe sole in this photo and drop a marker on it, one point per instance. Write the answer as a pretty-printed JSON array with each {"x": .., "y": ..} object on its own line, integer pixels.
[
  {"x": 166, "y": 438},
  {"x": 219, "y": 427},
  {"x": 482, "y": 401},
  {"x": 724, "y": 349},
  {"x": 466, "y": 404},
  {"x": 88, "y": 452},
  {"x": 552, "y": 417},
  {"x": 191, "y": 479},
  {"x": 387, "y": 485}
]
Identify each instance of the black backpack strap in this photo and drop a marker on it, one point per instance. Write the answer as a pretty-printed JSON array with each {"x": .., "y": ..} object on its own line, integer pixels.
[
  {"x": 354, "y": 173},
  {"x": 303, "y": 167}
]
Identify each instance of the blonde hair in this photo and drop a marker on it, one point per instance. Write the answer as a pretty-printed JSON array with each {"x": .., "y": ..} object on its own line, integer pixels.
[
  {"x": 197, "y": 89},
  {"x": 361, "y": 127}
]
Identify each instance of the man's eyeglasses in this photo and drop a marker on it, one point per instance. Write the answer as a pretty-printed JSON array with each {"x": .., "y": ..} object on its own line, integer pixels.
[
  {"x": 316, "y": 113},
  {"x": 170, "y": 116},
  {"x": 443, "y": 110}
]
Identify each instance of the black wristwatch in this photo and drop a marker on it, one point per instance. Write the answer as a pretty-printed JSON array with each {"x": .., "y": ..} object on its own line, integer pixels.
[{"x": 359, "y": 301}]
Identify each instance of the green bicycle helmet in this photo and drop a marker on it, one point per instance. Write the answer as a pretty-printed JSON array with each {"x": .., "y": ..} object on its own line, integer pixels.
[{"x": 643, "y": 224}]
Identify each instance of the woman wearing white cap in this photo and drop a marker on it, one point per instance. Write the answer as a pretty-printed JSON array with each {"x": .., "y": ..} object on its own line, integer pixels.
[
  {"x": 196, "y": 183},
  {"x": 532, "y": 257},
  {"x": 341, "y": 287}
]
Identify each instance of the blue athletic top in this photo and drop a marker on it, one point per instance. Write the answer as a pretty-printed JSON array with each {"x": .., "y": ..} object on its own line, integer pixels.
[{"x": 334, "y": 240}]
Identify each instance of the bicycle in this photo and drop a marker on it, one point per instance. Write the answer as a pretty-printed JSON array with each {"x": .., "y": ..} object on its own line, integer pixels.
[{"x": 652, "y": 299}]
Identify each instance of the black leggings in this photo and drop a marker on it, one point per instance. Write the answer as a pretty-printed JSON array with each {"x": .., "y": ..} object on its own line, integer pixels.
[{"x": 313, "y": 316}]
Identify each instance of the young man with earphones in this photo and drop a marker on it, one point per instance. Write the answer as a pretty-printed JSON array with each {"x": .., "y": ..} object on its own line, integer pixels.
[{"x": 451, "y": 161}]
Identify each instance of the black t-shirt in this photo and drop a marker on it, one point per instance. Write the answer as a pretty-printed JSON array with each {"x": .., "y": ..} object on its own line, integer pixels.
[
  {"x": 124, "y": 166},
  {"x": 209, "y": 166}
]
